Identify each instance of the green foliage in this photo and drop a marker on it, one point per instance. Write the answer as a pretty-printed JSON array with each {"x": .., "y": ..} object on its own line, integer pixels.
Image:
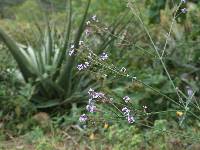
[
  {"x": 35, "y": 135},
  {"x": 154, "y": 10},
  {"x": 22, "y": 12},
  {"x": 40, "y": 141},
  {"x": 55, "y": 83},
  {"x": 126, "y": 139},
  {"x": 51, "y": 75}
]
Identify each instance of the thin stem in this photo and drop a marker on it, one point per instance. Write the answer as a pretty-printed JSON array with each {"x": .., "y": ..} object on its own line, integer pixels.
[
  {"x": 170, "y": 30},
  {"x": 156, "y": 49},
  {"x": 128, "y": 42},
  {"x": 170, "y": 132},
  {"x": 117, "y": 72},
  {"x": 161, "y": 60}
]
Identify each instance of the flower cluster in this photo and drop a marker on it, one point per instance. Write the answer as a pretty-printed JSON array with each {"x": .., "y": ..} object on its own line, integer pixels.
[
  {"x": 91, "y": 102},
  {"x": 100, "y": 97},
  {"x": 184, "y": 10},
  {"x": 94, "y": 96},
  {"x": 83, "y": 118},
  {"x": 127, "y": 114},
  {"x": 126, "y": 111},
  {"x": 83, "y": 66},
  {"x": 86, "y": 64},
  {"x": 126, "y": 99},
  {"x": 91, "y": 108},
  {"x": 104, "y": 56}
]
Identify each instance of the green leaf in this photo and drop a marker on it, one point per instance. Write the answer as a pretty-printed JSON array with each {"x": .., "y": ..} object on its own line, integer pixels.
[
  {"x": 66, "y": 73},
  {"x": 23, "y": 63}
]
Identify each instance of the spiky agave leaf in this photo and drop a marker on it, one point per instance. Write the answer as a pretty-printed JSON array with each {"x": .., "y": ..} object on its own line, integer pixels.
[
  {"x": 19, "y": 55},
  {"x": 65, "y": 77},
  {"x": 52, "y": 77}
]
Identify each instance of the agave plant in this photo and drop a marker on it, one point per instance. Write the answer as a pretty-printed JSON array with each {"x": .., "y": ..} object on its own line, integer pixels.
[{"x": 49, "y": 69}]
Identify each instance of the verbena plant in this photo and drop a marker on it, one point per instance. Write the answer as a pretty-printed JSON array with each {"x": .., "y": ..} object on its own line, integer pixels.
[
  {"x": 48, "y": 67},
  {"x": 185, "y": 103}
]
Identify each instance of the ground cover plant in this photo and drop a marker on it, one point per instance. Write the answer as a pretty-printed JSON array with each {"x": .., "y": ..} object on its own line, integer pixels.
[{"x": 137, "y": 63}]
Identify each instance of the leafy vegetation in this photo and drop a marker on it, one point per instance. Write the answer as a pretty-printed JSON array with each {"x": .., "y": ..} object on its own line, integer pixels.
[
  {"x": 136, "y": 61},
  {"x": 46, "y": 68}
]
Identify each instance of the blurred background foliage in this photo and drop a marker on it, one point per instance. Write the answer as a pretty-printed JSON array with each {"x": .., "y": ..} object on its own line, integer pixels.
[{"x": 131, "y": 50}]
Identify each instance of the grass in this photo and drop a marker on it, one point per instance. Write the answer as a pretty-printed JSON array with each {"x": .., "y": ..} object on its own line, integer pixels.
[{"x": 109, "y": 137}]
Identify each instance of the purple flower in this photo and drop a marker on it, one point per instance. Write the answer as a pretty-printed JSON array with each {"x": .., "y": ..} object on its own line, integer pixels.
[
  {"x": 184, "y": 10},
  {"x": 130, "y": 119},
  {"x": 80, "y": 67},
  {"x": 92, "y": 94},
  {"x": 101, "y": 95},
  {"x": 83, "y": 118},
  {"x": 125, "y": 111},
  {"x": 91, "y": 108},
  {"x": 126, "y": 99},
  {"x": 104, "y": 56},
  {"x": 83, "y": 66},
  {"x": 95, "y": 95},
  {"x": 91, "y": 101},
  {"x": 98, "y": 95}
]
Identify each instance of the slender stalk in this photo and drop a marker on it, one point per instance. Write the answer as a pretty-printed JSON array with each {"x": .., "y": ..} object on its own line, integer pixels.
[
  {"x": 131, "y": 6},
  {"x": 170, "y": 30},
  {"x": 170, "y": 132}
]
